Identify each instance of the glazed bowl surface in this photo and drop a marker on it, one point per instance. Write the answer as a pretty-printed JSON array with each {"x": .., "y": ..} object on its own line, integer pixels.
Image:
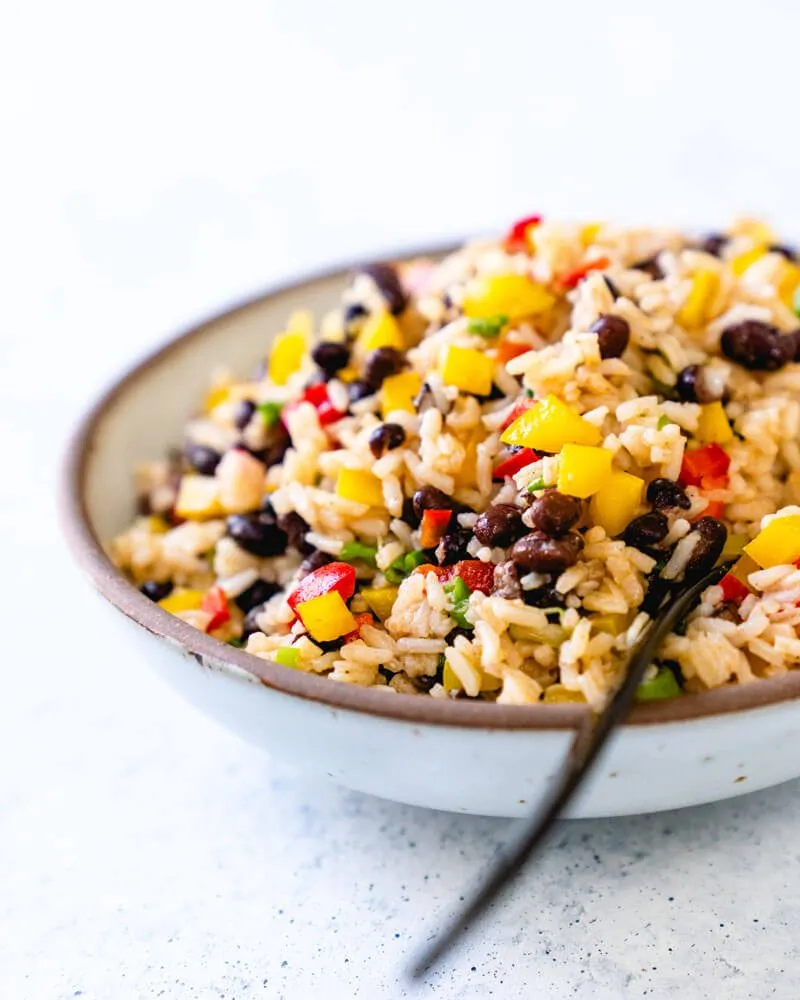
[{"x": 457, "y": 755}]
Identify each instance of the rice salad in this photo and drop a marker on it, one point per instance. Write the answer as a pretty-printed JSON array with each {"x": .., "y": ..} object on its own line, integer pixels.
[{"x": 478, "y": 477}]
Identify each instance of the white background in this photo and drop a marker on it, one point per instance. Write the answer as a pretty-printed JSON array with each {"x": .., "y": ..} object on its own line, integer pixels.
[{"x": 159, "y": 159}]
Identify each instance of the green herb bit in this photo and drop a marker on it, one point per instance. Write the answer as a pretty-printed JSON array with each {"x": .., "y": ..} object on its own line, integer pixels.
[
  {"x": 237, "y": 643},
  {"x": 663, "y": 685},
  {"x": 537, "y": 484},
  {"x": 796, "y": 301},
  {"x": 270, "y": 413},
  {"x": 413, "y": 559},
  {"x": 352, "y": 551},
  {"x": 487, "y": 326},
  {"x": 287, "y": 656},
  {"x": 664, "y": 421},
  {"x": 405, "y": 565},
  {"x": 459, "y": 595}
]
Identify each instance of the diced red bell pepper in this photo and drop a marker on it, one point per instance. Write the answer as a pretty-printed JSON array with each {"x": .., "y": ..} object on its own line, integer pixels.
[
  {"x": 361, "y": 620},
  {"x": 516, "y": 237},
  {"x": 317, "y": 395},
  {"x": 511, "y": 465},
  {"x": 733, "y": 589},
  {"x": 521, "y": 405},
  {"x": 714, "y": 508},
  {"x": 572, "y": 278},
  {"x": 215, "y": 603},
  {"x": 710, "y": 460},
  {"x": 433, "y": 527},
  {"x": 442, "y": 572},
  {"x": 710, "y": 483},
  {"x": 508, "y": 349},
  {"x": 476, "y": 574},
  {"x": 335, "y": 576}
]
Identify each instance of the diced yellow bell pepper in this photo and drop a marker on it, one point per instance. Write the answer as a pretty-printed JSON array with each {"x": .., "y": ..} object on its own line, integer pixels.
[
  {"x": 778, "y": 543},
  {"x": 583, "y": 469},
  {"x": 398, "y": 392},
  {"x": 589, "y": 232},
  {"x": 548, "y": 425},
  {"x": 216, "y": 395},
  {"x": 558, "y": 694},
  {"x": 380, "y": 600},
  {"x": 713, "y": 424},
  {"x": 741, "y": 263},
  {"x": 467, "y": 369},
  {"x": 182, "y": 599},
  {"x": 743, "y": 568},
  {"x": 613, "y": 623},
  {"x": 198, "y": 498},
  {"x": 789, "y": 283},
  {"x": 755, "y": 229},
  {"x": 286, "y": 356},
  {"x": 380, "y": 330},
  {"x": 348, "y": 374},
  {"x": 450, "y": 681},
  {"x": 359, "y": 485},
  {"x": 511, "y": 295},
  {"x": 697, "y": 309},
  {"x": 489, "y": 682},
  {"x": 326, "y": 617},
  {"x": 614, "y": 505},
  {"x": 157, "y": 525},
  {"x": 734, "y": 546}
]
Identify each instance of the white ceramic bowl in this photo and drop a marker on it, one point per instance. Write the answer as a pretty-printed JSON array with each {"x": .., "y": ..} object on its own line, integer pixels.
[{"x": 457, "y": 755}]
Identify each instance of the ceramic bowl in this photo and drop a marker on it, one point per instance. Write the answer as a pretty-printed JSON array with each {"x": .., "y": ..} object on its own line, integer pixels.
[{"x": 456, "y": 755}]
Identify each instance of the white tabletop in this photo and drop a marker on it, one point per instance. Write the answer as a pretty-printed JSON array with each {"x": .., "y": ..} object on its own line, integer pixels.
[{"x": 164, "y": 160}]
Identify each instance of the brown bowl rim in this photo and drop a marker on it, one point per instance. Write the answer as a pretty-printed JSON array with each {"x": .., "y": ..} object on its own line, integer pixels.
[{"x": 111, "y": 584}]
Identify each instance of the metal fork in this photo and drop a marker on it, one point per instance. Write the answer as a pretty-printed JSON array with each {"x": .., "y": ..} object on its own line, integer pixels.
[{"x": 586, "y": 746}]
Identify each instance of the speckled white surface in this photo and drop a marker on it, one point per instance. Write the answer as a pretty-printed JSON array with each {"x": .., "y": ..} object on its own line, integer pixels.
[{"x": 168, "y": 162}]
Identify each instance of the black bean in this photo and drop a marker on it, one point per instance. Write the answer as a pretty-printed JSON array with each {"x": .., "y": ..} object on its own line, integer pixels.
[
  {"x": 313, "y": 561},
  {"x": 453, "y": 634},
  {"x": 650, "y": 266},
  {"x": 615, "y": 292},
  {"x": 430, "y": 498},
  {"x": 424, "y": 682},
  {"x": 409, "y": 515},
  {"x": 500, "y": 524},
  {"x": 544, "y": 597},
  {"x": 296, "y": 530},
  {"x": 647, "y": 530},
  {"x": 330, "y": 357},
  {"x": 355, "y": 311},
  {"x": 278, "y": 444},
  {"x": 329, "y": 645},
  {"x": 243, "y": 413},
  {"x": 785, "y": 251},
  {"x": 256, "y": 594},
  {"x": 386, "y": 437},
  {"x": 380, "y": 364},
  {"x": 506, "y": 580},
  {"x": 358, "y": 390},
  {"x": 156, "y": 590},
  {"x": 712, "y": 535},
  {"x": 664, "y": 494},
  {"x": 202, "y": 458},
  {"x": 757, "y": 346},
  {"x": 424, "y": 399},
  {"x": 453, "y": 546},
  {"x": 539, "y": 553},
  {"x": 389, "y": 285},
  {"x": 554, "y": 513},
  {"x": 257, "y": 533},
  {"x": 250, "y": 625},
  {"x": 713, "y": 244},
  {"x": 613, "y": 334},
  {"x": 693, "y": 386}
]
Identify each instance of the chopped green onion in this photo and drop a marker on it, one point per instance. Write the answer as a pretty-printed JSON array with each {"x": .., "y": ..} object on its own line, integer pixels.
[
  {"x": 487, "y": 326},
  {"x": 270, "y": 413},
  {"x": 662, "y": 389},
  {"x": 404, "y": 565},
  {"x": 351, "y": 551},
  {"x": 796, "y": 301},
  {"x": 664, "y": 421},
  {"x": 530, "y": 393},
  {"x": 663, "y": 685},
  {"x": 459, "y": 595},
  {"x": 237, "y": 643},
  {"x": 537, "y": 484},
  {"x": 287, "y": 656}
]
